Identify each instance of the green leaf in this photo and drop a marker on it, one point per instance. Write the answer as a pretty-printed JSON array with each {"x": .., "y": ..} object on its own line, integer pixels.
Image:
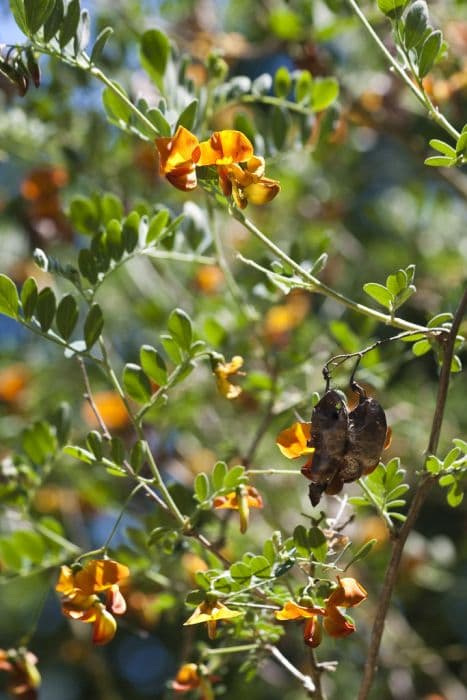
[
  {"x": 244, "y": 122},
  {"x": 456, "y": 364},
  {"x": 433, "y": 464},
  {"x": 234, "y": 477},
  {"x": 37, "y": 13},
  {"x": 421, "y": 347},
  {"x": 93, "y": 325},
  {"x": 70, "y": 23},
  {"x": 19, "y": 13},
  {"x": 61, "y": 420},
  {"x": 392, "y": 8},
  {"x": 201, "y": 487},
  {"x": 396, "y": 283},
  {"x": 378, "y": 292},
  {"x": 260, "y": 566},
  {"x": 300, "y": 538},
  {"x": 324, "y": 91},
  {"x": 429, "y": 52},
  {"x": 451, "y": 457},
  {"x": 218, "y": 475},
  {"x": 318, "y": 544},
  {"x": 9, "y": 300},
  {"x": 67, "y": 316},
  {"x": 111, "y": 208},
  {"x": 443, "y": 147},
  {"x": 29, "y": 294},
  {"x": 416, "y": 23},
  {"x": 84, "y": 215},
  {"x": 154, "y": 54},
  {"x": 79, "y": 453},
  {"x": 136, "y": 383},
  {"x": 87, "y": 265},
  {"x": 282, "y": 82},
  {"x": 39, "y": 441},
  {"x": 156, "y": 118},
  {"x": 240, "y": 572},
  {"x": 83, "y": 31},
  {"x": 100, "y": 43},
  {"x": 117, "y": 450},
  {"x": 171, "y": 348},
  {"x": 461, "y": 145},
  {"x": 455, "y": 495},
  {"x": 362, "y": 552},
  {"x": 138, "y": 455},
  {"x": 153, "y": 364},
  {"x": 179, "y": 325},
  {"x": 440, "y": 162},
  {"x": 303, "y": 87},
  {"x": 130, "y": 231},
  {"x": 94, "y": 442},
  {"x": 115, "y": 105},
  {"x": 188, "y": 117},
  {"x": 54, "y": 21},
  {"x": 45, "y": 309},
  {"x": 279, "y": 123},
  {"x": 440, "y": 319},
  {"x": 114, "y": 239},
  {"x": 156, "y": 226}
]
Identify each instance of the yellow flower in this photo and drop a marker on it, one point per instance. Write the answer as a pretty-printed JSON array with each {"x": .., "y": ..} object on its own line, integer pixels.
[
  {"x": 211, "y": 612},
  {"x": 224, "y": 148},
  {"x": 293, "y": 441},
  {"x": 79, "y": 599},
  {"x": 193, "y": 677},
  {"x": 177, "y": 157},
  {"x": 222, "y": 372},
  {"x": 244, "y": 498}
]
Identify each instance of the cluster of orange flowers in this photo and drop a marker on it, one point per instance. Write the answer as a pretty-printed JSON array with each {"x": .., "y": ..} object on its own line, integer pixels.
[
  {"x": 348, "y": 594},
  {"x": 80, "y": 601},
  {"x": 23, "y": 679},
  {"x": 240, "y": 171}
]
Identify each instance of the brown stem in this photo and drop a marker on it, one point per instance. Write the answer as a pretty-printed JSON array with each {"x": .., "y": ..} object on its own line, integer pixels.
[
  {"x": 422, "y": 490},
  {"x": 315, "y": 673}
]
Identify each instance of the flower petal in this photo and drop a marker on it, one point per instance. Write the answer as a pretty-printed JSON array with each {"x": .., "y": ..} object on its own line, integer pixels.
[
  {"x": 312, "y": 632},
  {"x": 336, "y": 624},
  {"x": 262, "y": 192},
  {"x": 104, "y": 628},
  {"x": 115, "y": 600},
  {"x": 293, "y": 611},
  {"x": 224, "y": 147},
  {"x": 293, "y": 441},
  {"x": 100, "y": 575},
  {"x": 348, "y": 594},
  {"x": 65, "y": 583}
]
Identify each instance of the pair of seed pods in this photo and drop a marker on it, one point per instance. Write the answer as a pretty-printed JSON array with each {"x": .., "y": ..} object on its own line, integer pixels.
[{"x": 348, "y": 444}]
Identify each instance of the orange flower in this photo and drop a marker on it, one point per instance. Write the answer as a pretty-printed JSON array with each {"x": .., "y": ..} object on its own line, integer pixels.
[
  {"x": 13, "y": 380},
  {"x": 23, "y": 677},
  {"x": 293, "y": 441},
  {"x": 224, "y": 148},
  {"x": 222, "y": 372},
  {"x": 211, "y": 612},
  {"x": 80, "y": 601},
  {"x": 177, "y": 157},
  {"x": 348, "y": 594},
  {"x": 111, "y": 409},
  {"x": 244, "y": 498},
  {"x": 193, "y": 677}
]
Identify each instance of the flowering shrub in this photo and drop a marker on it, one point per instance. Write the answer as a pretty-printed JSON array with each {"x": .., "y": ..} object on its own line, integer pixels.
[{"x": 155, "y": 340}]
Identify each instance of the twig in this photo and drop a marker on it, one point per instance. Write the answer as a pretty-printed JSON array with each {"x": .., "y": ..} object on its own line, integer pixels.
[
  {"x": 316, "y": 673},
  {"x": 306, "y": 681},
  {"x": 419, "y": 498}
]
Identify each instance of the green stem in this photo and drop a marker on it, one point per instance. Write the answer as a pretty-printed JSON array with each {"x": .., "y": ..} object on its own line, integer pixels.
[
  {"x": 160, "y": 484},
  {"x": 421, "y": 96},
  {"x": 132, "y": 493},
  {"x": 58, "y": 539},
  {"x": 315, "y": 285},
  {"x": 230, "y": 650}
]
